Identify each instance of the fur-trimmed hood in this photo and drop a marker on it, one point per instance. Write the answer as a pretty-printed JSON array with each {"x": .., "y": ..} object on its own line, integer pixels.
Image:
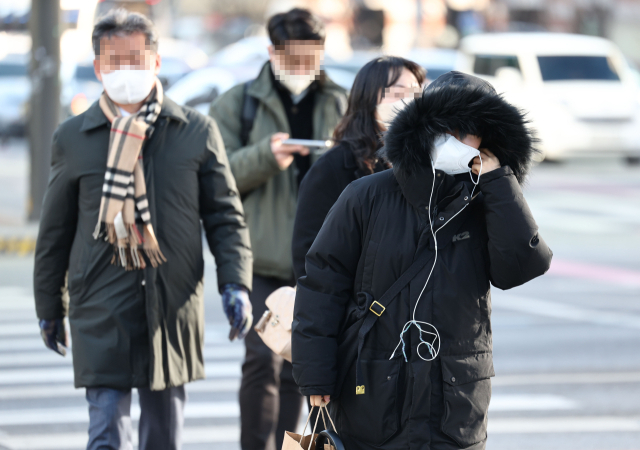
[{"x": 470, "y": 105}]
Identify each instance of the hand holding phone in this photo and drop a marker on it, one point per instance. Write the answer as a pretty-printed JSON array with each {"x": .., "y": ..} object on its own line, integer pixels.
[{"x": 283, "y": 152}]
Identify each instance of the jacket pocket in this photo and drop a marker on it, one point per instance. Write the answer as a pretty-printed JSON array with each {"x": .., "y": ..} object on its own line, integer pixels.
[
  {"x": 77, "y": 275},
  {"x": 467, "y": 392},
  {"x": 373, "y": 416}
]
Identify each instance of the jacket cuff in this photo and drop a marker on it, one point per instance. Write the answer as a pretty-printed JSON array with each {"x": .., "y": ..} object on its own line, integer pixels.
[
  {"x": 503, "y": 171},
  {"x": 317, "y": 390},
  {"x": 236, "y": 274},
  {"x": 264, "y": 147},
  {"x": 51, "y": 308}
]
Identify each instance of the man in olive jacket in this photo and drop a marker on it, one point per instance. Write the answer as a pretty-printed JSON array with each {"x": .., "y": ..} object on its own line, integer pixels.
[
  {"x": 136, "y": 308},
  {"x": 291, "y": 97}
]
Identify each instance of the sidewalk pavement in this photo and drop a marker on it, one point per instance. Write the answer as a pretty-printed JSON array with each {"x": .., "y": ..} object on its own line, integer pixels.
[{"x": 18, "y": 240}]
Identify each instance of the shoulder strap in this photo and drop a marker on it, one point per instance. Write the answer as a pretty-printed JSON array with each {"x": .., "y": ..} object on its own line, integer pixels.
[
  {"x": 391, "y": 294},
  {"x": 249, "y": 109},
  {"x": 341, "y": 105},
  {"x": 378, "y": 307}
]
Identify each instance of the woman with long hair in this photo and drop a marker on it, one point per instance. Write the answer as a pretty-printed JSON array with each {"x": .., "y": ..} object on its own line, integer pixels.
[{"x": 380, "y": 89}]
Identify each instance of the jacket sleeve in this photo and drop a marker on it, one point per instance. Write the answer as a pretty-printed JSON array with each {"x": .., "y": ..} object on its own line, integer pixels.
[
  {"x": 323, "y": 294},
  {"x": 56, "y": 233},
  {"x": 222, "y": 215},
  {"x": 252, "y": 165},
  {"x": 318, "y": 192},
  {"x": 517, "y": 253}
]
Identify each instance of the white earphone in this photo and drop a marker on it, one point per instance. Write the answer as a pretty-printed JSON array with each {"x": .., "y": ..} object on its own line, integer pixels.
[{"x": 431, "y": 346}]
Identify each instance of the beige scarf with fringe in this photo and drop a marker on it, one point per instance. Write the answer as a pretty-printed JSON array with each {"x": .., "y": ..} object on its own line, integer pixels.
[{"x": 125, "y": 220}]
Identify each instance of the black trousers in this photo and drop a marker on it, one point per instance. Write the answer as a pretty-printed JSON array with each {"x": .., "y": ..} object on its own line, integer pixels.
[{"x": 270, "y": 401}]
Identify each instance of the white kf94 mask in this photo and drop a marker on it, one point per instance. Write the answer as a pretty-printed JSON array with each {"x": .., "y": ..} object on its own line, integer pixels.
[
  {"x": 452, "y": 156},
  {"x": 127, "y": 87}
]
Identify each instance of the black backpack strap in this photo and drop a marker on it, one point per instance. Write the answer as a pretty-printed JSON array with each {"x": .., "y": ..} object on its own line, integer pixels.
[
  {"x": 249, "y": 110},
  {"x": 341, "y": 105}
]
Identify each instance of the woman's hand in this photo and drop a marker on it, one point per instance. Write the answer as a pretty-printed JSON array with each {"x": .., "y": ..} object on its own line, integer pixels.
[
  {"x": 470, "y": 140},
  {"x": 319, "y": 400},
  {"x": 489, "y": 162}
]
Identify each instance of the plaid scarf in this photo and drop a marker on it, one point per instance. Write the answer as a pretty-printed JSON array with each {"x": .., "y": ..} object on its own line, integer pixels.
[{"x": 124, "y": 208}]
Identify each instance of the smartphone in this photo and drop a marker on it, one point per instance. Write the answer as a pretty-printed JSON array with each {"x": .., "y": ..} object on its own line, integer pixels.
[
  {"x": 312, "y": 144},
  {"x": 317, "y": 147}
]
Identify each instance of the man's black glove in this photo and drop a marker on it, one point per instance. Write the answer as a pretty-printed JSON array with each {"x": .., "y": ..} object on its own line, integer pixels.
[{"x": 54, "y": 335}]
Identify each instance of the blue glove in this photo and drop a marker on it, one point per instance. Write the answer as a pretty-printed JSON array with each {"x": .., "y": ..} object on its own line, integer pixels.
[
  {"x": 54, "y": 335},
  {"x": 237, "y": 307}
]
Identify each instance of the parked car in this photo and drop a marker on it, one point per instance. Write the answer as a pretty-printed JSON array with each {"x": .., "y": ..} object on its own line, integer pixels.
[
  {"x": 178, "y": 59},
  {"x": 80, "y": 87},
  {"x": 15, "y": 89},
  {"x": 244, "y": 58},
  {"x": 15, "y": 86},
  {"x": 434, "y": 60},
  {"x": 579, "y": 90},
  {"x": 200, "y": 87},
  {"x": 437, "y": 61}
]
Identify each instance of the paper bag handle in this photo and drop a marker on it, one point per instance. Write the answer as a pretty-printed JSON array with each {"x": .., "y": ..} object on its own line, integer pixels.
[{"x": 323, "y": 409}]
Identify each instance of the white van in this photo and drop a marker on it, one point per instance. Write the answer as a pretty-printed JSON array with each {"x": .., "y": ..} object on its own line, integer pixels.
[{"x": 579, "y": 90}]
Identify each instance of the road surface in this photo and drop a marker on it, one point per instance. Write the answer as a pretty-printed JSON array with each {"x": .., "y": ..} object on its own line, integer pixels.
[{"x": 567, "y": 345}]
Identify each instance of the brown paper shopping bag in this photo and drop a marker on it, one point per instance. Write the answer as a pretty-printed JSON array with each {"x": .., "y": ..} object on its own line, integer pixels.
[{"x": 293, "y": 441}]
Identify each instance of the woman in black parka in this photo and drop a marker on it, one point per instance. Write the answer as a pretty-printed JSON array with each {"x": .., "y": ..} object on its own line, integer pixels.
[
  {"x": 381, "y": 85},
  {"x": 430, "y": 389}
]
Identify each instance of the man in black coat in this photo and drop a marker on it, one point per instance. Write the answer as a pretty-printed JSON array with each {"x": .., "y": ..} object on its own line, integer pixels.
[
  {"x": 134, "y": 179},
  {"x": 419, "y": 376}
]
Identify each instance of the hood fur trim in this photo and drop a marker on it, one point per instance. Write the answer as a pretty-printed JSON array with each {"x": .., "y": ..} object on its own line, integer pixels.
[{"x": 470, "y": 105}]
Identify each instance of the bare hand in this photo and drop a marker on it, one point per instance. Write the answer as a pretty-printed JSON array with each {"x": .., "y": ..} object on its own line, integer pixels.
[
  {"x": 284, "y": 152},
  {"x": 471, "y": 140},
  {"x": 489, "y": 162},
  {"x": 319, "y": 400}
]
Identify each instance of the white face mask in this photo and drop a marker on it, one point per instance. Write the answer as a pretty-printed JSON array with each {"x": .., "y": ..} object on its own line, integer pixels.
[
  {"x": 128, "y": 87},
  {"x": 296, "y": 83},
  {"x": 388, "y": 111},
  {"x": 452, "y": 156}
]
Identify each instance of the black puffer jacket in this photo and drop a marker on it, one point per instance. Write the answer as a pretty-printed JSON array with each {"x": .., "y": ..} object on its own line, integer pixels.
[{"x": 375, "y": 231}]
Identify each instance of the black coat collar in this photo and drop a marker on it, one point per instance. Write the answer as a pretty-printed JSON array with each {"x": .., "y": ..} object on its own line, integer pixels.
[{"x": 94, "y": 117}]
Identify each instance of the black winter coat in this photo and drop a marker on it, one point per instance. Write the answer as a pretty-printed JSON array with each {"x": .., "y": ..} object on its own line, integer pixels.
[
  {"x": 319, "y": 190},
  {"x": 140, "y": 327},
  {"x": 377, "y": 228}
]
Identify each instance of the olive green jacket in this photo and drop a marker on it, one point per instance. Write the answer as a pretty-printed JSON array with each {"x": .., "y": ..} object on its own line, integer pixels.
[
  {"x": 269, "y": 193},
  {"x": 140, "y": 327}
]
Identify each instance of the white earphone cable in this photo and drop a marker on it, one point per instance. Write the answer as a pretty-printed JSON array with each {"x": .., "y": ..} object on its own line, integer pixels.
[{"x": 436, "y": 336}]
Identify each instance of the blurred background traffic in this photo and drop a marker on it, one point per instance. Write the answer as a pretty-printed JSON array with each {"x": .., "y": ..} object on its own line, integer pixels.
[
  {"x": 582, "y": 89},
  {"x": 566, "y": 345}
]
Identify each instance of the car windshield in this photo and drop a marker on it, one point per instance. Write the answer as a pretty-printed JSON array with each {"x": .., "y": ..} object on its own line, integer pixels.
[
  {"x": 557, "y": 68},
  {"x": 12, "y": 70}
]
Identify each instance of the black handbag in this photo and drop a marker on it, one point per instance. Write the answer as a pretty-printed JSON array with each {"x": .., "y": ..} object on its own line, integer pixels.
[{"x": 329, "y": 440}]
